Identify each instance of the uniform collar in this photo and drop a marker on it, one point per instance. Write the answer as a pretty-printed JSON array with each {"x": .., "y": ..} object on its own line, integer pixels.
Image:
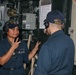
[{"x": 56, "y": 33}]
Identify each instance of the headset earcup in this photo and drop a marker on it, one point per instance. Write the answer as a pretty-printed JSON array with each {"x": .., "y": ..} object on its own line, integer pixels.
[{"x": 5, "y": 29}]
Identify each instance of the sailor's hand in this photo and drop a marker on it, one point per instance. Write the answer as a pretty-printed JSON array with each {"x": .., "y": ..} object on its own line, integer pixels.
[
  {"x": 15, "y": 44},
  {"x": 37, "y": 45}
]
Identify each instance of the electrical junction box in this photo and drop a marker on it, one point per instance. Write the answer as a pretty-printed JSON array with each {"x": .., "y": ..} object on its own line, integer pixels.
[{"x": 29, "y": 21}]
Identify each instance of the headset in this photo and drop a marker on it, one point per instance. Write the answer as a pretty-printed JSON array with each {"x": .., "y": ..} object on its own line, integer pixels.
[
  {"x": 46, "y": 24},
  {"x": 56, "y": 21},
  {"x": 5, "y": 27}
]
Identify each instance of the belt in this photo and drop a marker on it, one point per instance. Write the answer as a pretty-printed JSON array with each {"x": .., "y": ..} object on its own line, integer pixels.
[{"x": 11, "y": 68}]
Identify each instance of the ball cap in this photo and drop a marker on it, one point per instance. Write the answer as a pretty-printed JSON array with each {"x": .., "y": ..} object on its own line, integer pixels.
[
  {"x": 55, "y": 17},
  {"x": 11, "y": 25}
]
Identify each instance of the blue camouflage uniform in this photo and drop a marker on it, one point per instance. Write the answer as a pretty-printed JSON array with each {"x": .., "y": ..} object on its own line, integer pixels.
[
  {"x": 56, "y": 56},
  {"x": 15, "y": 65}
]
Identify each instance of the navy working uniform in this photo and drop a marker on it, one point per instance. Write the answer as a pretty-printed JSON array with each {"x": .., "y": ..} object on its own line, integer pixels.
[
  {"x": 15, "y": 65},
  {"x": 56, "y": 56}
]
